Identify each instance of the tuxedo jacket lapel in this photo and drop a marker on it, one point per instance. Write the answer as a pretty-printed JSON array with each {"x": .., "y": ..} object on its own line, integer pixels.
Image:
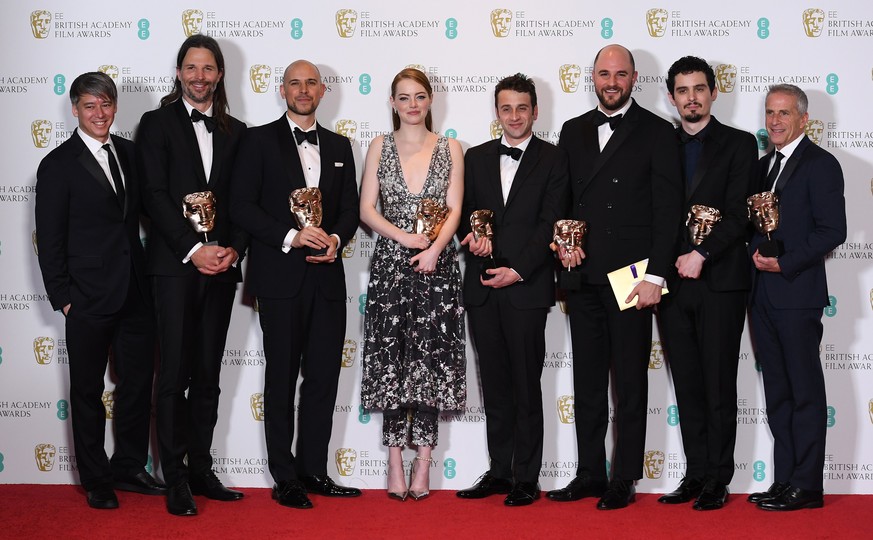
[
  {"x": 710, "y": 150},
  {"x": 791, "y": 164},
  {"x": 87, "y": 160},
  {"x": 189, "y": 142},
  {"x": 326, "y": 154},
  {"x": 528, "y": 163},
  {"x": 290, "y": 157}
]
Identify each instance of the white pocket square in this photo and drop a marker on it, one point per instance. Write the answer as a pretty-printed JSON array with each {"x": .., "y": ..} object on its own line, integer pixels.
[{"x": 337, "y": 163}]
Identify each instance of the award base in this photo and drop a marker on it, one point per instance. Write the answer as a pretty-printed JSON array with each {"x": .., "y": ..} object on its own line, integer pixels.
[
  {"x": 569, "y": 280},
  {"x": 211, "y": 243},
  {"x": 316, "y": 252},
  {"x": 491, "y": 264},
  {"x": 771, "y": 248}
]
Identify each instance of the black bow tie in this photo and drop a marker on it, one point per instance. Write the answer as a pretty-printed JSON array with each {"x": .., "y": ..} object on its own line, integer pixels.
[
  {"x": 309, "y": 136},
  {"x": 600, "y": 119},
  {"x": 208, "y": 121},
  {"x": 514, "y": 153}
]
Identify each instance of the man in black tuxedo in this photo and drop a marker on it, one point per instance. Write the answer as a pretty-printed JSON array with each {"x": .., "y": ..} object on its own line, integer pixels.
[
  {"x": 789, "y": 292},
  {"x": 523, "y": 181},
  {"x": 301, "y": 296},
  {"x": 702, "y": 317},
  {"x": 93, "y": 267},
  {"x": 627, "y": 185},
  {"x": 188, "y": 145}
]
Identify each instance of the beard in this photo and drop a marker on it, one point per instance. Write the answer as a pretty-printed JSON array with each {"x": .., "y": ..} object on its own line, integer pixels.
[{"x": 610, "y": 103}]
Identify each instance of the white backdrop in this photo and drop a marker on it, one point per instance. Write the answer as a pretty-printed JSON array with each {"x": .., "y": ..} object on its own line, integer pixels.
[{"x": 464, "y": 47}]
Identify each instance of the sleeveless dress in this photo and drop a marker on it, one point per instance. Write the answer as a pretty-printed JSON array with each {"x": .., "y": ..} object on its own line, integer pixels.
[{"x": 414, "y": 337}]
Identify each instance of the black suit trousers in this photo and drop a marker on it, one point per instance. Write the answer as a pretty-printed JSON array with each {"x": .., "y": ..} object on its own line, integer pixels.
[
  {"x": 605, "y": 337},
  {"x": 510, "y": 345},
  {"x": 302, "y": 335},
  {"x": 193, "y": 314},
  {"x": 701, "y": 331},
  {"x": 129, "y": 334}
]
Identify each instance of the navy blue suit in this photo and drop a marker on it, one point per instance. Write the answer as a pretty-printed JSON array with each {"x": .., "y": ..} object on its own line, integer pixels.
[{"x": 786, "y": 310}]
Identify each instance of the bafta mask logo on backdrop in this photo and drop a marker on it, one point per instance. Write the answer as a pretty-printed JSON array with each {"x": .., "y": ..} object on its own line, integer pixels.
[
  {"x": 349, "y": 249},
  {"x": 192, "y": 21},
  {"x": 569, "y": 75},
  {"x": 346, "y": 22},
  {"x": 870, "y": 410},
  {"x": 496, "y": 129},
  {"x": 656, "y": 356},
  {"x": 653, "y": 464},
  {"x": 567, "y": 409},
  {"x": 345, "y": 461},
  {"x": 110, "y": 70},
  {"x": 346, "y": 128},
  {"x": 656, "y": 22},
  {"x": 350, "y": 347},
  {"x": 726, "y": 78},
  {"x": 259, "y": 77},
  {"x": 501, "y": 22},
  {"x": 40, "y": 23},
  {"x": 813, "y": 21},
  {"x": 814, "y": 130},
  {"x": 33, "y": 241},
  {"x": 256, "y": 403},
  {"x": 871, "y": 290},
  {"x": 41, "y": 133},
  {"x": 108, "y": 400},
  {"x": 43, "y": 349},
  {"x": 45, "y": 456}
]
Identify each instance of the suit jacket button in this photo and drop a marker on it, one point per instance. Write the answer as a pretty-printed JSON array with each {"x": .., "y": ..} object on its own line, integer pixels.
[
  {"x": 615, "y": 180},
  {"x": 609, "y": 206}
]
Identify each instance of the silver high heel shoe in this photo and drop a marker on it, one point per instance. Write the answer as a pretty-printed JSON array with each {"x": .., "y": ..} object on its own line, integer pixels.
[{"x": 415, "y": 494}]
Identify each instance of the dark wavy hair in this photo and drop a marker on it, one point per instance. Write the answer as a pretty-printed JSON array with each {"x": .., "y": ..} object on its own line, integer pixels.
[
  {"x": 418, "y": 76},
  {"x": 219, "y": 97},
  {"x": 686, "y": 65},
  {"x": 519, "y": 83}
]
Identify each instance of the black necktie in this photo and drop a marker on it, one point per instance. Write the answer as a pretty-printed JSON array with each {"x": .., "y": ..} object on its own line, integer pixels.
[
  {"x": 309, "y": 136},
  {"x": 116, "y": 175},
  {"x": 600, "y": 119},
  {"x": 774, "y": 172},
  {"x": 208, "y": 121},
  {"x": 514, "y": 153}
]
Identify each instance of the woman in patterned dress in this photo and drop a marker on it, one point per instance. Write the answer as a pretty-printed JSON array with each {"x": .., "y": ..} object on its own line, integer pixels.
[{"x": 414, "y": 344}]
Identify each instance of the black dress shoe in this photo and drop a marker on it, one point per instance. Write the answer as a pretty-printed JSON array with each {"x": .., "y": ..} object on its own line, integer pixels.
[
  {"x": 793, "y": 499},
  {"x": 688, "y": 489},
  {"x": 323, "y": 485},
  {"x": 180, "y": 502},
  {"x": 141, "y": 482},
  {"x": 486, "y": 485},
  {"x": 579, "y": 488},
  {"x": 102, "y": 497},
  {"x": 712, "y": 497},
  {"x": 209, "y": 485},
  {"x": 619, "y": 494},
  {"x": 775, "y": 489},
  {"x": 291, "y": 493},
  {"x": 522, "y": 494}
]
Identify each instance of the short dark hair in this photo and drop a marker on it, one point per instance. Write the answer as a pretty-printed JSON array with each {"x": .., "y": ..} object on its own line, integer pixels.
[
  {"x": 519, "y": 83},
  {"x": 219, "y": 97},
  {"x": 690, "y": 64},
  {"x": 93, "y": 83}
]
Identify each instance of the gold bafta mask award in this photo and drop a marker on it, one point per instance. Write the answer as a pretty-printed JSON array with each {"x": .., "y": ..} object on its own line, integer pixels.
[
  {"x": 482, "y": 225},
  {"x": 199, "y": 209},
  {"x": 764, "y": 213},
  {"x": 569, "y": 234},
  {"x": 429, "y": 218},
  {"x": 701, "y": 219},
  {"x": 305, "y": 204}
]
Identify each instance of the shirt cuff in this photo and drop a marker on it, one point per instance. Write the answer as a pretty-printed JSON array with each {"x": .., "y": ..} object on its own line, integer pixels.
[
  {"x": 286, "y": 244},
  {"x": 655, "y": 280},
  {"x": 187, "y": 258},
  {"x": 517, "y": 274}
]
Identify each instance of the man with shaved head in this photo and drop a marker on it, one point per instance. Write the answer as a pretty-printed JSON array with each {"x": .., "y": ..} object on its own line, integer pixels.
[
  {"x": 301, "y": 295},
  {"x": 627, "y": 186}
]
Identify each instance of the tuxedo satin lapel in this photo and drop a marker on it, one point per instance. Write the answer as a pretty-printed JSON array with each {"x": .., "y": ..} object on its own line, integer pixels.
[
  {"x": 219, "y": 141},
  {"x": 625, "y": 128},
  {"x": 189, "y": 139},
  {"x": 87, "y": 159},
  {"x": 529, "y": 160},
  {"x": 290, "y": 157},
  {"x": 326, "y": 153},
  {"x": 125, "y": 165},
  {"x": 590, "y": 148},
  {"x": 791, "y": 164},
  {"x": 492, "y": 178}
]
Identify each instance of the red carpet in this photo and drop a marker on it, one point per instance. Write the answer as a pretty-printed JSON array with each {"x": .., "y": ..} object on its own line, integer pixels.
[{"x": 39, "y": 511}]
